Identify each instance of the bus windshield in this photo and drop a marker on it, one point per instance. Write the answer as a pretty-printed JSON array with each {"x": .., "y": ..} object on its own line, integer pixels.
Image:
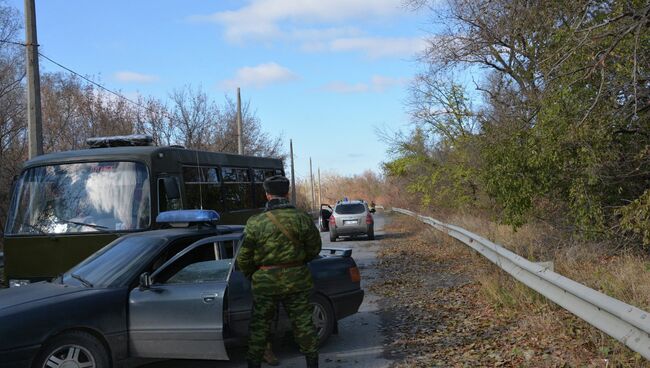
[{"x": 81, "y": 198}]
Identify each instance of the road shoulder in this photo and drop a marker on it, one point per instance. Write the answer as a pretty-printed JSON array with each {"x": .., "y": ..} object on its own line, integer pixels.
[{"x": 443, "y": 309}]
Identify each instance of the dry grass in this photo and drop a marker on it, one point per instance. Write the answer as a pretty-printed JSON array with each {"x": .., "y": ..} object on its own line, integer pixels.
[{"x": 622, "y": 275}]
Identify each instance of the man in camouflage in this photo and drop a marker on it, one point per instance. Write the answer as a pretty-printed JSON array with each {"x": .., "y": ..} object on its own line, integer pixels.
[{"x": 277, "y": 245}]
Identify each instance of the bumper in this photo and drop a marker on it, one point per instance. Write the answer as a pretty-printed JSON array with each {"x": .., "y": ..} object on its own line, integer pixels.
[
  {"x": 18, "y": 358},
  {"x": 351, "y": 229},
  {"x": 348, "y": 303}
]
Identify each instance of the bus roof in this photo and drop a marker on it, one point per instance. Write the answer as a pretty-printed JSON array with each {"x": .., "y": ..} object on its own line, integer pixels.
[{"x": 149, "y": 153}]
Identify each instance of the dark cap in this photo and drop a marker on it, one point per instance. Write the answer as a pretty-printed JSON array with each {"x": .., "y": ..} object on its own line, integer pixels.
[{"x": 276, "y": 185}]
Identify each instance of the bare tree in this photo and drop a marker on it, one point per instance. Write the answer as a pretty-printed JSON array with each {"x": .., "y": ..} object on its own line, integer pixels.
[
  {"x": 154, "y": 119},
  {"x": 74, "y": 111},
  {"x": 256, "y": 141},
  {"x": 195, "y": 116},
  {"x": 12, "y": 105}
]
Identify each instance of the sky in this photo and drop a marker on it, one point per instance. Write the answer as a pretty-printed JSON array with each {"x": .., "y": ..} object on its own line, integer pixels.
[{"x": 326, "y": 74}]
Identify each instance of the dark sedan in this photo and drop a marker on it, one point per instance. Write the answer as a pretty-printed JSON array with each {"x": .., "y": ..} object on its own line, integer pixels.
[{"x": 172, "y": 293}]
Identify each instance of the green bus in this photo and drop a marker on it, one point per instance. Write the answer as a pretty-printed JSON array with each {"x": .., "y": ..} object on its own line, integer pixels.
[{"x": 67, "y": 205}]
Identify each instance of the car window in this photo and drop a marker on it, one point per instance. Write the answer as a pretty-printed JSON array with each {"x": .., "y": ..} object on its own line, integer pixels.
[
  {"x": 207, "y": 262},
  {"x": 350, "y": 209},
  {"x": 117, "y": 262},
  {"x": 206, "y": 271}
]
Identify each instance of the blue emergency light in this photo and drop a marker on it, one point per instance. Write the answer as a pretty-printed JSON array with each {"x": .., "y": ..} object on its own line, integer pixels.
[{"x": 188, "y": 217}]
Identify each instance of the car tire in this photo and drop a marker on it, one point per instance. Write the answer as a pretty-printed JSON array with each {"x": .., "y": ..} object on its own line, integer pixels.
[
  {"x": 332, "y": 235},
  {"x": 77, "y": 347},
  {"x": 371, "y": 233},
  {"x": 323, "y": 317}
]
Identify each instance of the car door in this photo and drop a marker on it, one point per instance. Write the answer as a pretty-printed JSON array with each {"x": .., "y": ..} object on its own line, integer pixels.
[{"x": 181, "y": 315}]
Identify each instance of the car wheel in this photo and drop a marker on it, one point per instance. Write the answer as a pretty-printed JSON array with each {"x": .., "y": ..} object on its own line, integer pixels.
[
  {"x": 371, "y": 233},
  {"x": 323, "y": 317},
  {"x": 332, "y": 235},
  {"x": 73, "y": 349}
]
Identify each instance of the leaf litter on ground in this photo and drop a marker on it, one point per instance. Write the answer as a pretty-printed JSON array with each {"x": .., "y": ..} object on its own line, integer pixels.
[{"x": 438, "y": 314}]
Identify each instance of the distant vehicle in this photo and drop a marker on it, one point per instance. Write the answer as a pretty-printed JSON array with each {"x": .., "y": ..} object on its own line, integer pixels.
[
  {"x": 67, "y": 205},
  {"x": 171, "y": 293},
  {"x": 324, "y": 217},
  {"x": 351, "y": 218}
]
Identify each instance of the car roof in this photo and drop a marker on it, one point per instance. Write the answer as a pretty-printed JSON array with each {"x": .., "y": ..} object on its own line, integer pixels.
[
  {"x": 350, "y": 202},
  {"x": 175, "y": 233}
]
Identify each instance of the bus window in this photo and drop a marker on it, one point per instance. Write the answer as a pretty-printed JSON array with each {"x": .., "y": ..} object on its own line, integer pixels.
[
  {"x": 237, "y": 188},
  {"x": 202, "y": 188},
  {"x": 260, "y": 195},
  {"x": 164, "y": 202}
]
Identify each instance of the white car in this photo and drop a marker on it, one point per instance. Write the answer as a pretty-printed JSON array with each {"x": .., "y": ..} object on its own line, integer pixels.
[{"x": 352, "y": 218}]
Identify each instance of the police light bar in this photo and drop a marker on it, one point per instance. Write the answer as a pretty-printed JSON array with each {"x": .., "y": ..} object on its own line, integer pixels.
[{"x": 188, "y": 217}]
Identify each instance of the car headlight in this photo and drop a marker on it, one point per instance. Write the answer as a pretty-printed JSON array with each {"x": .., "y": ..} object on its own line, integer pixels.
[{"x": 18, "y": 283}]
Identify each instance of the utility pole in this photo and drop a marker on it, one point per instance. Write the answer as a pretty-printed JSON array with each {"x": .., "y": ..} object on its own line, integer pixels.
[
  {"x": 34, "y": 119},
  {"x": 320, "y": 189},
  {"x": 240, "y": 144},
  {"x": 311, "y": 176},
  {"x": 293, "y": 175}
]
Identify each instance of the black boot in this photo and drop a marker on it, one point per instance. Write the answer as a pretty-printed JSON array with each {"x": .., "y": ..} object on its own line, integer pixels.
[
  {"x": 252, "y": 364},
  {"x": 312, "y": 361}
]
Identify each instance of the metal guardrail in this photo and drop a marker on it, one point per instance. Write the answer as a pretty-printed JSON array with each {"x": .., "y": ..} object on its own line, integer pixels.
[{"x": 626, "y": 323}]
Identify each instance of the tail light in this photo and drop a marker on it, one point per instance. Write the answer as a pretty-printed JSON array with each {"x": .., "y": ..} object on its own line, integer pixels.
[
  {"x": 355, "y": 276},
  {"x": 369, "y": 219},
  {"x": 332, "y": 220}
]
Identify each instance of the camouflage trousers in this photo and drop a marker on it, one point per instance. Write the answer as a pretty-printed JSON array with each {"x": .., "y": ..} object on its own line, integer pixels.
[{"x": 299, "y": 310}]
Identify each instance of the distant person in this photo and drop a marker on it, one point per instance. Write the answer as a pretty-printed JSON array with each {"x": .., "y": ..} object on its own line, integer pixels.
[{"x": 277, "y": 245}]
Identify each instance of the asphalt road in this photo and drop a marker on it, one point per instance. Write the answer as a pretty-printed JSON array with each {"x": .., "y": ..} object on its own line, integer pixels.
[{"x": 359, "y": 342}]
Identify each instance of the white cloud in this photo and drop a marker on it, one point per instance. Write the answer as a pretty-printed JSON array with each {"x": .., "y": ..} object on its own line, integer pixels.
[
  {"x": 321, "y": 34},
  {"x": 377, "y": 47},
  {"x": 381, "y": 84},
  {"x": 260, "y": 20},
  {"x": 344, "y": 87},
  {"x": 260, "y": 76},
  {"x": 376, "y": 84},
  {"x": 133, "y": 77}
]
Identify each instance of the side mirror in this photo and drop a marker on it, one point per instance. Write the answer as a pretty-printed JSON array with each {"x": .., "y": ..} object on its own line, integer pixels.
[
  {"x": 171, "y": 188},
  {"x": 372, "y": 210},
  {"x": 145, "y": 281}
]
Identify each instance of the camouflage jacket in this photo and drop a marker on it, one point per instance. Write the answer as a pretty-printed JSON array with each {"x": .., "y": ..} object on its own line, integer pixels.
[{"x": 265, "y": 245}]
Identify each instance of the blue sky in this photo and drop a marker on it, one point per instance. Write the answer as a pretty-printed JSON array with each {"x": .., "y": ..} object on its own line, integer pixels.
[{"x": 324, "y": 73}]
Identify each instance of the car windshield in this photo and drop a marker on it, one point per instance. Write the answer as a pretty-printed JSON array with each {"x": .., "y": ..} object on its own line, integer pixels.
[
  {"x": 350, "y": 209},
  {"x": 116, "y": 263},
  {"x": 80, "y": 198}
]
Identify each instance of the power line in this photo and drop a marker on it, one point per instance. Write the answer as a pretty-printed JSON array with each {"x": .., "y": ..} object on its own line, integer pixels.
[
  {"x": 100, "y": 86},
  {"x": 89, "y": 80},
  {"x": 14, "y": 43}
]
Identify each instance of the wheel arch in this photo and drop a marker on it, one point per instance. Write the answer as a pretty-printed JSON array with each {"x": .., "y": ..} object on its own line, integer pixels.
[{"x": 89, "y": 330}]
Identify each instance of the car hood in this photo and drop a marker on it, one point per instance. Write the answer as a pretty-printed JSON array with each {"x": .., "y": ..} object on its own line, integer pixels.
[{"x": 14, "y": 297}]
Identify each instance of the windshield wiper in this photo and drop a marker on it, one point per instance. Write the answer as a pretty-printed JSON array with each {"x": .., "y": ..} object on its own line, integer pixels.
[
  {"x": 101, "y": 228},
  {"x": 82, "y": 280},
  {"x": 94, "y": 226}
]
